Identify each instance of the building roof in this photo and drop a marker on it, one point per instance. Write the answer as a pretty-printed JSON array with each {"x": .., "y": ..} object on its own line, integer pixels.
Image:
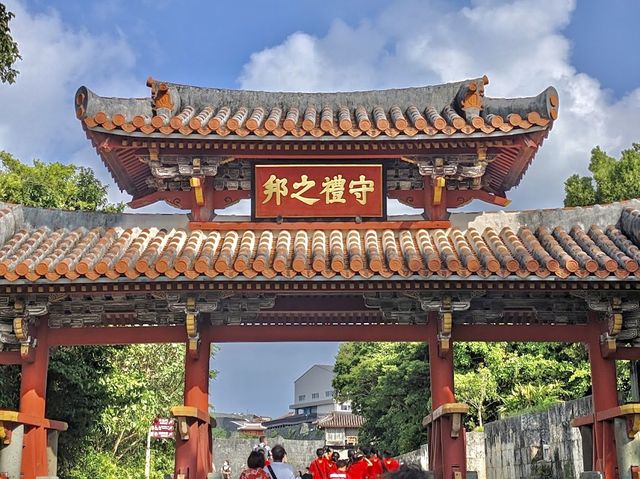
[
  {"x": 48, "y": 246},
  {"x": 338, "y": 419},
  {"x": 251, "y": 426},
  {"x": 439, "y": 111}
]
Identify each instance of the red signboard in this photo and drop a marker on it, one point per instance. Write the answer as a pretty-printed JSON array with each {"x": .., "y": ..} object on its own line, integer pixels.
[
  {"x": 162, "y": 428},
  {"x": 318, "y": 191}
]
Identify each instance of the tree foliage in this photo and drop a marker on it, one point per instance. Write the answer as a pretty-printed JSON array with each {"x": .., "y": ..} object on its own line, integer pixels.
[
  {"x": 52, "y": 185},
  {"x": 9, "y": 53},
  {"x": 611, "y": 180},
  {"x": 387, "y": 383},
  {"x": 141, "y": 383}
]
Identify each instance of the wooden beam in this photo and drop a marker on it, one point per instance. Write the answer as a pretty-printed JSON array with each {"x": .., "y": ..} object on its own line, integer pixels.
[
  {"x": 457, "y": 198},
  {"x": 10, "y": 357},
  {"x": 316, "y": 333},
  {"x": 313, "y": 333},
  {"x": 628, "y": 353},
  {"x": 116, "y": 335},
  {"x": 521, "y": 333}
]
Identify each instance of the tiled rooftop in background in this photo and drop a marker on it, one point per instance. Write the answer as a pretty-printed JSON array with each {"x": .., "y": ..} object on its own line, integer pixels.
[{"x": 339, "y": 419}]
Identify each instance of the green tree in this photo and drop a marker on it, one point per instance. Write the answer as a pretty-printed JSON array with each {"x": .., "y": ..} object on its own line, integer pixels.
[
  {"x": 612, "y": 179},
  {"x": 388, "y": 383},
  {"x": 9, "y": 53},
  {"x": 530, "y": 398},
  {"x": 478, "y": 389},
  {"x": 142, "y": 382},
  {"x": 52, "y": 185},
  {"x": 388, "y": 386}
]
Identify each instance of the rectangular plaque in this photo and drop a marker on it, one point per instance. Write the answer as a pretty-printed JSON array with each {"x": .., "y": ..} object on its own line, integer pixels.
[{"x": 318, "y": 191}]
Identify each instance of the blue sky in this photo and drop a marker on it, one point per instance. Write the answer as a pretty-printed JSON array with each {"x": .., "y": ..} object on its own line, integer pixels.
[{"x": 587, "y": 50}]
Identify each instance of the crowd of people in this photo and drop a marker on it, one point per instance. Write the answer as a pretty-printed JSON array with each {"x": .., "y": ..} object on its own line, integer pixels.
[{"x": 265, "y": 462}]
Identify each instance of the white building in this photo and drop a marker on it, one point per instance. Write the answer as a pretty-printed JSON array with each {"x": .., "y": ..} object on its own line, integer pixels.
[{"x": 313, "y": 393}]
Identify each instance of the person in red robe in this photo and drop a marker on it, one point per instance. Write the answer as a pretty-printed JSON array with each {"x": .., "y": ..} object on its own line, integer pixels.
[
  {"x": 319, "y": 467},
  {"x": 375, "y": 466},
  {"x": 340, "y": 471},
  {"x": 359, "y": 468},
  {"x": 389, "y": 464}
]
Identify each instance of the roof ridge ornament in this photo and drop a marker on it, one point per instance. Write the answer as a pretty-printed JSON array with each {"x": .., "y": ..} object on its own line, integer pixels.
[{"x": 470, "y": 98}]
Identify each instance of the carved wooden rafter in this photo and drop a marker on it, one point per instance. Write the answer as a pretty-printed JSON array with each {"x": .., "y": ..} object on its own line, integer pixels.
[
  {"x": 445, "y": 305},
  {"x": 613, "y": 308}
]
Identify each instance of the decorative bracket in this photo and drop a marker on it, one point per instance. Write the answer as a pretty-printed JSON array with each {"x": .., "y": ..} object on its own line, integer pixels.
[
  {"x": 21, "y": 324},
  {"x": 438, "y": 185},
  {"x": 613, "y": 308},
  {"x": 436, "y": 167},
  {"x": 196, "y": 186},
  {"x": 445, "y": 306},
  {"x": 191, "y": 325}
]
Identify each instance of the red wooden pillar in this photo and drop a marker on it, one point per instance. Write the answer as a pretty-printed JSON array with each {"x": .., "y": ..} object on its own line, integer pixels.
[
  {"x": 604, "y": 396},
  {"x": 447, "y": 455},
  {"x": 33, "y": 393},
  {"x": 193, "y": 449}
]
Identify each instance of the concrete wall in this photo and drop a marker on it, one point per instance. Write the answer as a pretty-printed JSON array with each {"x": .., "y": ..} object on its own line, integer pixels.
[
  {"x": 476, "y": 457},
  {"x": 236, "y": 450},
  {"x": 537, "y": 445},
  {"x": 318, "y": 380}
]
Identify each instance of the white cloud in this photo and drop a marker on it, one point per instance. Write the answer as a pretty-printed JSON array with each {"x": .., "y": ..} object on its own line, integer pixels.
[
  {"x": 38, "y": 119},
  {"x": 519, "y": 44}
]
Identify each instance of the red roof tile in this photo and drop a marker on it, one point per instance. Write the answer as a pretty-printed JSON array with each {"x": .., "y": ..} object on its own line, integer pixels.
[{"x": 52, "y": 253}]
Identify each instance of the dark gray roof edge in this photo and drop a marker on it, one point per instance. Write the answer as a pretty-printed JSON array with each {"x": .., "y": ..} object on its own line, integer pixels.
[
  {"x": 89, "y": 103},
  {"x": 540, "y": 103},
  {"x": 436, "y": 95},
  {"x": 21, "y": 216}
]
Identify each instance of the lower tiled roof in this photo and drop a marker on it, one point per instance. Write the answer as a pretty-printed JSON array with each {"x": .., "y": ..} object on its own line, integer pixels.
[
  {"x": 36, "y": 251},
  {"x": 341, "y": 420}
]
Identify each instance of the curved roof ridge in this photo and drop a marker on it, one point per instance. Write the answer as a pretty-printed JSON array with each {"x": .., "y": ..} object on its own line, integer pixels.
[
  {"x": 13, "y": 216},
  {"x": 565, "y": 217}
]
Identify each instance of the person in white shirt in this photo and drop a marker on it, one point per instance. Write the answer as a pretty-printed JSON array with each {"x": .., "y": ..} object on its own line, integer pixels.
[
  {"x": 264, "y": 446},
  {"x": 279, "y": 469}
]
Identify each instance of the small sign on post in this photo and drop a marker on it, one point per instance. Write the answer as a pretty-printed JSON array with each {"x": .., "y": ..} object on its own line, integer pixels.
[{"x": 162, "y": 428}]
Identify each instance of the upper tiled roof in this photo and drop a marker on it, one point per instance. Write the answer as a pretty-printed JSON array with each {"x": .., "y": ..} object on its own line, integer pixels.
[
  {"x": 341, "y": 420},
  {"x": 448, "y": 110},
  {"x": 52, "y": 246}
]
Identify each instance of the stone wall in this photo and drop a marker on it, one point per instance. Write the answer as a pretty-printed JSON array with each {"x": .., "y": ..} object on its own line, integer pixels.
[
  {"x": 419, "y": 457},
  {"x": 537, "y": 445},
  {"x": 237, "y": 450},
  {"x": 475, "y": 455}
]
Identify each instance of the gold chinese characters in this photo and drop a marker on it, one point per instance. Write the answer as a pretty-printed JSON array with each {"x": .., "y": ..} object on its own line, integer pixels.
[{"x": 333, "y": 189}]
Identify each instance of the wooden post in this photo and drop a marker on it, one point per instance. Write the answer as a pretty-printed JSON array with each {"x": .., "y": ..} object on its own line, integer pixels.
[
  {"x": 604, "y": 396},
  {"x": 193, "y": 441},
  {"x": 447, "y": 454},
  {"x": 432, "y": 211},
  {"x": 33, "y": 393}
]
